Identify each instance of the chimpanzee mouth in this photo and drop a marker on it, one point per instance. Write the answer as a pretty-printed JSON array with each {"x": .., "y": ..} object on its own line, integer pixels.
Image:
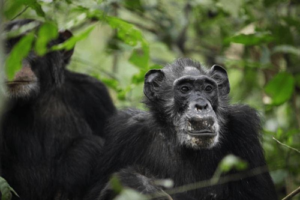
[
  {"x": 201, "y": 127},
  {"x": 23, "y": 81},
  {"x": 18, "y": 82}
]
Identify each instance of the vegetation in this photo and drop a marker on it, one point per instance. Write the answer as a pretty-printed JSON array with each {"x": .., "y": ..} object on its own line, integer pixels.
[{"x": 118, "y": 41}]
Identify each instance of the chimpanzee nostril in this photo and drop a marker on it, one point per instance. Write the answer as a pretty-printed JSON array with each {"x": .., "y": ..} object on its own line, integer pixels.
[{"x": 201, "y": 106}]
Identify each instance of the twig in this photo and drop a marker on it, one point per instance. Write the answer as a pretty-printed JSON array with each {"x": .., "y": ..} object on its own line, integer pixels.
[
  {"x": 213, "y": 181},
  {"x": 286, "y": 145},
  {"x": 20, "y": 13},
  {"x": 292, "y": 194}
]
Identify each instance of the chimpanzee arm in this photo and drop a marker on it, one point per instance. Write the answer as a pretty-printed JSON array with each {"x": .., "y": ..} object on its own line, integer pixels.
[
  {"x": 74, "y": 166},
  {"x": 244, "y": 140}
]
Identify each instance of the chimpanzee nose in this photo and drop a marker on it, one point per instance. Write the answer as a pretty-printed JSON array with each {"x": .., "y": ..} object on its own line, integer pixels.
[{"x": 201, "y": 105}]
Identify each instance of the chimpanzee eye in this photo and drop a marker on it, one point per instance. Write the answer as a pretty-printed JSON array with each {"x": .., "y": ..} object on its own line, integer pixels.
[
  {"x": 208, "y": 88},
  {"x": 184, "y": 89}
]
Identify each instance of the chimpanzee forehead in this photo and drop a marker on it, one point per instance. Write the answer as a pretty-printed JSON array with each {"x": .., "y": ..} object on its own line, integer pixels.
[{"x": 190, "y": 70}]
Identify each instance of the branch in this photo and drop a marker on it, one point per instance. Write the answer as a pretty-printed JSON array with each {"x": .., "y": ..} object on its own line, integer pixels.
[
  {"x": 292, "y": 194},
  {"x": 20, "y": 13},
  {"x": 213, "y": 181},
  {"x": 286, "y": 145}
]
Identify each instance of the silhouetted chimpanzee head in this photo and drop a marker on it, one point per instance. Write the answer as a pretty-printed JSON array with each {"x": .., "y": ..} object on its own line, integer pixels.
[
  {"x": 38, "y": 73},
  {"x": 190, "y": 99}
]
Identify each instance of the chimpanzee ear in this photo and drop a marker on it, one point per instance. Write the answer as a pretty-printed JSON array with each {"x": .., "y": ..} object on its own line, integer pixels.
[
  {"x": 220, "y": 75},
  {"x": 63, "y": 36},
  {"x": 152, "y": 83}
]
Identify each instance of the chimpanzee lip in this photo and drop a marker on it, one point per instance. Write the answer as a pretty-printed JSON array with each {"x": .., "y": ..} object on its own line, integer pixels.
[
  {"x": 16, "y": 82},
  {"x": 202, "y": 133}
]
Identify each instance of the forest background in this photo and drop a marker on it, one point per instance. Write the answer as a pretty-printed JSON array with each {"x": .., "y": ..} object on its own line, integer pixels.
[{"x": 118, "y": 41}]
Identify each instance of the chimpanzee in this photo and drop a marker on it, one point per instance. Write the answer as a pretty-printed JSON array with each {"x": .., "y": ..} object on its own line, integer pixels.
[
  {"x": 52, "y": 125},
  {"x": 189, "y": 129}
]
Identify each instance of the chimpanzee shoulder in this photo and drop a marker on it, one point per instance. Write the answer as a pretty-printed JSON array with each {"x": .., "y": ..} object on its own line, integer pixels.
[{"x": 90, "y": 98}]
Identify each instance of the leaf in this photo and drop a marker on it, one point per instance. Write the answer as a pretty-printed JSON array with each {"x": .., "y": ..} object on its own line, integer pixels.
[
  {"x": 251, "y": 39},
  {"x": 140, "y": 57},
  {"x": 70, "y": 43},
  {"x": 130, "y": 194},
  {"x": 116, "y": 184},
  {"x": 287, "y": 49},
  {"x": 280, "y": 88},
  {"x": 18, "y": 53},
  {"x": 112, "y": 83},
  {"x": 6, "y": 190},
  {"x": 47, "y": 32},
  {"x": 232, "y": 162},
  {"x": 126, "y": 32},
  {"x": 34, "y": 5},
  {"x": 21, "y": 30},
  {"x": 231, "y": 6}
]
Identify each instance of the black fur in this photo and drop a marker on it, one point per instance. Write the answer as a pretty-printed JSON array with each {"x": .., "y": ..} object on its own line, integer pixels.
[
  {"x": 147, "y": 142},
  {"x": 51, "y": 133}
]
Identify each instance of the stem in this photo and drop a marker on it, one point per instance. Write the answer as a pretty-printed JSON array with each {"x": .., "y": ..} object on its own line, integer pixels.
[
  {"x": 286, "y": 145},
  {"x": 292, "y": 194}
]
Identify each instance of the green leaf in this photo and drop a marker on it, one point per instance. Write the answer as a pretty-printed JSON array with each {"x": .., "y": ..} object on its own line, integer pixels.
[
  {"x": 126, "y": 32},
  {"x": 112, "y": 83},
  {"x": 47, "y": 32},
  {"x": 21, "y": 30},
  {"x": 6, "y": 190},
  {"x": 251, "y": 39},
  {"x": 280, "y": 88},
  {"x": 34, "y": 5},
  {"x": 12, "y": 8},
  {"x": 140, "y": 57},
  {"x": 231, "y": 6},
  {"x": 18, "y": 53},
  {"x": 139, "y": 77},
  {"x": 123, "y": 92},
  {"x": 232, "y": 162},
  {"x": 116, "y": 184},
  {"x": 130, "y": 194},
  {"x": 287, "y": 49},
  {"x": 70, "y": 43}
]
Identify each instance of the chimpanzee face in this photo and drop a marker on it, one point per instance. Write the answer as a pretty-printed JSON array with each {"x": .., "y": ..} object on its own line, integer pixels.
[
  {"x": 38, "y": 73},
  {"x": 190, "y": 98},
  {"x": 25, "y": 83}
]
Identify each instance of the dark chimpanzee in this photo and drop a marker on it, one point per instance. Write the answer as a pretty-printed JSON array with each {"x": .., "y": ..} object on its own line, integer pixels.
[
  {"x": 189, "y": 129},
  {"x": 50, "y": 124}
]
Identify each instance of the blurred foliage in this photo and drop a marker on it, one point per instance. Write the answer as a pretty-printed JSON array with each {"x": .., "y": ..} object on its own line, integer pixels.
[
  {"x": 118, "y": 41},
  {"x": 6, "y": 190}
]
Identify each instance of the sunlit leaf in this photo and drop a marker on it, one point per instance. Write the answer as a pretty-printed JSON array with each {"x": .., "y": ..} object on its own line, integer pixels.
[
  {"x": 287, "y": 49},
  {"x": 6, "y": 190},
  {"x": 47, "y": 32},
  {"x": 130, "y": 194},
  {"x": 232, "y": 162},
  {"x": 126, "y": 32},
  {"x": 21, "y": 29},
  {"x": 167, "y": 183},
  {"x": 140, "y": 57},
  {"x": 18, "y": 53},
  {"x": 280, "y": 88},
  {"x": 116, "y": 184},
  {"x": 70, "y": 43},
  {"x": 251, "y": 39},
  {"x": 112, "y": 83},
  {"x": 231, "y": 6}
]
